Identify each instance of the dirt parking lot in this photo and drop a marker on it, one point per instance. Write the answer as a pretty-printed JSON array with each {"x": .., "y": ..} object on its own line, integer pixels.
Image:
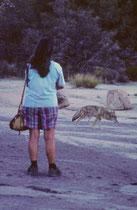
[{"x": 99, "y": 166}]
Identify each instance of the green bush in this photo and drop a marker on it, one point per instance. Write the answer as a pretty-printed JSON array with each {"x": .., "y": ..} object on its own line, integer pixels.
[
  {"x": 99, "y": 72},
  {"x": 131, "y": 72},
  {"x": 7, "y": 69},
  {"x": 84, "y": 81}
]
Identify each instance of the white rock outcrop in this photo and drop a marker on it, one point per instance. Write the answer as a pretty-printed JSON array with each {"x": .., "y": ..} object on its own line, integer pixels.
[{"x": 118, "y": 100}]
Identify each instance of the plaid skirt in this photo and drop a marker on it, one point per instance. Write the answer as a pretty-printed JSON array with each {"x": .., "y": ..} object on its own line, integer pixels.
[{"x": 40, "y": 118}]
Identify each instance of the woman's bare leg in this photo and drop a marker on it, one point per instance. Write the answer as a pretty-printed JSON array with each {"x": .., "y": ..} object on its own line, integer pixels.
[
  {"x": 49, "y": 137},
  {"x": 33, "y": 144}
]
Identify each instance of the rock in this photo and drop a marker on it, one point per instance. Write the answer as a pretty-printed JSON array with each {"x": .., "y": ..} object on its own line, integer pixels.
[
  {"x": 62, "y": 100},
  {"x": 118, "y": 100}
]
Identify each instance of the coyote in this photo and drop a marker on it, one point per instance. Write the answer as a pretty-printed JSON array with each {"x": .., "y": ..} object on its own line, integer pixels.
[{"x": 94, "y": 111}]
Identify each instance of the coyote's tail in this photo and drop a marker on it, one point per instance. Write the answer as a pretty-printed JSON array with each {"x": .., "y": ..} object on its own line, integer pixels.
[{"x": 76, "y": 116}]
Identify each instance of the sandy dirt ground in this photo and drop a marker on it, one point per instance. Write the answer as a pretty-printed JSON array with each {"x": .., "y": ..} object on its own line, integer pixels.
[{"x": 99, "y": 166}]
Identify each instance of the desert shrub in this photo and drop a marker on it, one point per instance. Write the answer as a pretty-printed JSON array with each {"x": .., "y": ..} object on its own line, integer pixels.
[
  {"x": 98, "y": 72},
  {"x": 112, "y": 75},
  {"x": 109, "y": 75},
  {"x": 121, "y": 76},
  {"x": 79, "y": 80},
  {"x": 131, "y": 72},
  {"x": 7, "y": 69}
]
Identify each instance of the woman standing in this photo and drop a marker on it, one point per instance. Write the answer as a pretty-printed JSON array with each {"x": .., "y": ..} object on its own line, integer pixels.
[{"x": 40, "y": 107}]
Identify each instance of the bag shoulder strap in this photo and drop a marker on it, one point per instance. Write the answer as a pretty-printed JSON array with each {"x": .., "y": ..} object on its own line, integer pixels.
[
  {"x": 25, "y": 83},
  {"x": 27, "y": 74}
]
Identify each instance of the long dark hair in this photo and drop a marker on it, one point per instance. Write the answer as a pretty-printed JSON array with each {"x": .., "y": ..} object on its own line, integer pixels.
[{"x": 40, "y": 59}]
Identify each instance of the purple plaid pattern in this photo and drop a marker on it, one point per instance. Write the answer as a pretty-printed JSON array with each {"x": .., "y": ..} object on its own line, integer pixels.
[{"x": 40, "y": 118}]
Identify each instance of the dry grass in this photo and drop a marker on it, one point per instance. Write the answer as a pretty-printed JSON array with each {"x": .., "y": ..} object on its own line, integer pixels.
[{"x": 87, "y": 81}]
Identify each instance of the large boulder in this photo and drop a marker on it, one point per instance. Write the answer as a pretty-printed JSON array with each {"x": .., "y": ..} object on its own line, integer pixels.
[
  {"x": 62, "y": 100},
  {"x": 118, "y": 100}
]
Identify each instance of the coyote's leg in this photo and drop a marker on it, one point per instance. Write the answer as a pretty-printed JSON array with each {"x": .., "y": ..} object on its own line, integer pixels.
[
  {"x": 97, "y": 118},
  {"x": 89, "y": 120},
  {"x": 80, "y": 118},
  {"x": 77, "y": 122},
  {"x": 94, "y": 122},
  {"x": 100, "y": 123}
]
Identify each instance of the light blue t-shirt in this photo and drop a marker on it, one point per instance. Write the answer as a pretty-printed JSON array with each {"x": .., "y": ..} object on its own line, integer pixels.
[{"x": 41, "y": 92}]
